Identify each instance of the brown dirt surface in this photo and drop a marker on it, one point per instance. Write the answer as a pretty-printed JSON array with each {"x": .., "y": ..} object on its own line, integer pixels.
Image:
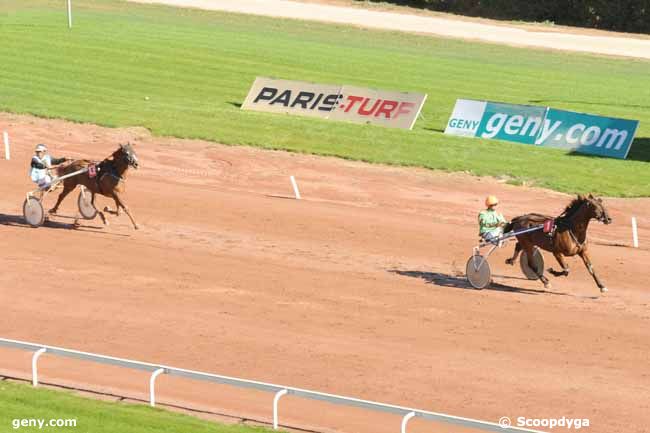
[{"x": 357, "y": 289}]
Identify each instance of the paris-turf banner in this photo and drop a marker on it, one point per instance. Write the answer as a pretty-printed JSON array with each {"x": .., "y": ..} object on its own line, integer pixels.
[
  {"x": 543, "y": 126},
  {"x": 335, "y": 102}
]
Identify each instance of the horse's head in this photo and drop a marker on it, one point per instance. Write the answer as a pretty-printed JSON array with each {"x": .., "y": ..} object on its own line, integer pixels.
[
  {"x": 126, "y": 153},
  {"x": 597, "y": 209}
]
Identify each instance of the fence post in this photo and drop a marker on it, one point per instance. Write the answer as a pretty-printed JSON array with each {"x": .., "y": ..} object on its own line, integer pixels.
[
  {"x": 276, "y": 399},
  {"x": 35, "y": 357},
  {"x": 152, "y": 386},
  {"x": 406, "y": 419},
  {"x": 635, "y": 235}
]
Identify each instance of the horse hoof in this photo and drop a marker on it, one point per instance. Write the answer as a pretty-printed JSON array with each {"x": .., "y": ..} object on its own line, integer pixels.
[
  {"x": 52, "y": 211},
  {"x": 603, "y": 290},
  {"x": 510, "y": 262},
  {"x": 137, "y": 227},
  {"x": 547, "y": 285}
]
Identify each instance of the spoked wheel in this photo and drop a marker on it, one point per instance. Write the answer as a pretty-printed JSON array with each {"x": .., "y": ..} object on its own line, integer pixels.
[
  {"x": 478, "y": 271},
  {"x": 33, "y": 212},
  {"x": 86, "y": 207},
  {"x": 538, "y": 259}
]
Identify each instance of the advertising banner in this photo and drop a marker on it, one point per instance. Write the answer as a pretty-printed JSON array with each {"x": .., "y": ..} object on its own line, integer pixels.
[
  {"x": 292, "y": 97},
  {"x": 587, "y": 133},
  {"x": 543, "y": 126},
  {"x": 346, "y": 103},
  {"x": 518, "y": 123}
]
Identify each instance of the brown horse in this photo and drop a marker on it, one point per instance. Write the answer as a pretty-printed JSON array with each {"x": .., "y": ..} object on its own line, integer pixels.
[
  {"x": 568, "y": 239},
  {"x": 109, "y": 181}
]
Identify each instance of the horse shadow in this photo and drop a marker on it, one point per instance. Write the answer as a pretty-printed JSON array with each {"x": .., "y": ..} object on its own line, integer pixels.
[
  {"x": 446, "y": 280},
  {"x": 19, "y": 221}
]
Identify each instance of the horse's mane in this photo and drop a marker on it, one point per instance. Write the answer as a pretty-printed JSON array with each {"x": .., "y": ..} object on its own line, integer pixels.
[{"x": 572, "y": 207}]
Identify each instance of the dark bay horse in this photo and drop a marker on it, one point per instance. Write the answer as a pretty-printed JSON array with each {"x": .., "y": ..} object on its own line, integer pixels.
[
  {"x": 109, "y": 181},
  {"x": 568, "y": 239}
]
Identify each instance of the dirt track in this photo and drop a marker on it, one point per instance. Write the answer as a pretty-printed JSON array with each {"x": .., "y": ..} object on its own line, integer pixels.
[
  {"x": 446, "y": 25},
  {"x": 355, "y": 290}
]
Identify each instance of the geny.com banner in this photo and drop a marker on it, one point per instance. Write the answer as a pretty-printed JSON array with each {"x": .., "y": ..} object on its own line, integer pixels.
[{"x": 543, "y": 126}]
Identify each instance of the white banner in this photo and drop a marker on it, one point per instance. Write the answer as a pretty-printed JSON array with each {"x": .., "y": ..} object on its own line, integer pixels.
[
  {"x": 466, "y": 118},
  {"x": 346, "y": 103}
]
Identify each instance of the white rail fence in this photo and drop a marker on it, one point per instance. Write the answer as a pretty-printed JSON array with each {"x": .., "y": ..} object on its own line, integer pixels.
[{"x": 279, "y": 390}]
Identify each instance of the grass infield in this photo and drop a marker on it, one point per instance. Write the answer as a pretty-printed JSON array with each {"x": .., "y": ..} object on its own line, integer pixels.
[
  {"x": 22, "y": 402},
  {"x": 183, "y": 73}
]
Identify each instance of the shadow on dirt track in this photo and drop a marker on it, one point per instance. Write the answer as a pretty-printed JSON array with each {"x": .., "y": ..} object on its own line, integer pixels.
[
  {"x": 445, "y": 280},
  {"x": 19, "y": 221}
]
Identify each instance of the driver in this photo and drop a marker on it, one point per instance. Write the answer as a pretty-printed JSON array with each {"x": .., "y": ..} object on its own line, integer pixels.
[
  {"x": 490, "y": 221},
  {"x": 41, "y": 162}
]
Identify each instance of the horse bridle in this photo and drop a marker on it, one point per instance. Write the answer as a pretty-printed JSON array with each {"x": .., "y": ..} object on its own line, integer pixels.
[{"x": 129, "y": 159}]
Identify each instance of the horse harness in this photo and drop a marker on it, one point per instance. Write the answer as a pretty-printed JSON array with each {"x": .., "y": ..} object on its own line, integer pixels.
[
  {"x": 569, "y": 227},
  {"x": 107, "y": 168}
]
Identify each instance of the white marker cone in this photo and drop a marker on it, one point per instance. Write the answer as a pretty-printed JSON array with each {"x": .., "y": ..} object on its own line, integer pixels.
[{"x": 5, "y": 137}]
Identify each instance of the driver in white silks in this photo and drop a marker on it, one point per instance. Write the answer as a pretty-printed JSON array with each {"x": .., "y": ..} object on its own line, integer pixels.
[{"x": 41, "y": 162}]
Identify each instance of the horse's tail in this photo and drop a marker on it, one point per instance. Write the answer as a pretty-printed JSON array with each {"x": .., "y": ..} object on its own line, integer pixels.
[{"x": 516, "y": 223}]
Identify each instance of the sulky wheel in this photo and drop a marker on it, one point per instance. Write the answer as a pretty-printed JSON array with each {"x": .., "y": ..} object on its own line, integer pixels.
[
  {"x": 33, "y": 212},
  {"x": 538, "y": 259},
  {"x": 86, "y": 207},
  {"x": 478, "y": 272}
]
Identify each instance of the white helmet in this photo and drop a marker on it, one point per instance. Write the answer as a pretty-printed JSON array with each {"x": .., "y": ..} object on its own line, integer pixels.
[{"x": 41, "y": 148}]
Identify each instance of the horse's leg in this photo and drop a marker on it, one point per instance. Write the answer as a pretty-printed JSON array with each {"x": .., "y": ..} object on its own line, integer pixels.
[
  {"x": 67, "y": 189},
  {"x": 101, "y": 214},
  {"x": 587, "y": 261},
  {"x": 511, "y": 260},
  {"x": 115, "y": 212},
  {"x": 113, "y": 194},
  {"x": 120, "y": 203},
  {"x": 565, "y": 267}
]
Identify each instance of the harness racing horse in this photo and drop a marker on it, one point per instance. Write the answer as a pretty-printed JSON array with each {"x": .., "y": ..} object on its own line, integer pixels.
[
  {"x": 568, "y": 239},
  {"x": 110, "y": 180}
]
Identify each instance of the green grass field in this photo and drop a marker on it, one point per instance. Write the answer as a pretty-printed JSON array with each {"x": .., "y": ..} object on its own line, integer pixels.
[
  {"x": 20, "y": 401},
  {"x": 197, "y": 66}
]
